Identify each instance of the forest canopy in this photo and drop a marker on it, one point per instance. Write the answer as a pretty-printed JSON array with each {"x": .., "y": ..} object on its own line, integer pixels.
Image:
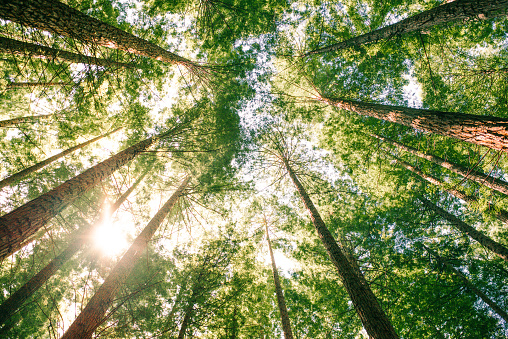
[{"x": 253, "y": 169}]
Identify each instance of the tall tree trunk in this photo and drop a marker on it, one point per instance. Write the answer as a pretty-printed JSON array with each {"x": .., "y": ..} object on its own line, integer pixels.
[
  {"x": 93, "y": 314},
  {"x": 481, "y": 178},
  {"x": 16, "y": 300},
  {"x": 29, "y": 170},
  {"x": 482, "y": 130},
  {"x": 495, "y": 307},
  {"x": 501, "y": 214},
  {"x": 497, "y": 248},
  {"x": 14, "y": 85},
  {"x": 185, "y": 321},
  {"x": 21, "y": 120},
  {"x": 373, "y": 318},
  {"x": 58, "y": 18},
  {"x": 24, "y": 221},
  {"x": 448, "y": 12},
  {"x": 22, "y": 48},
  {"x": 286, "y": 324}
]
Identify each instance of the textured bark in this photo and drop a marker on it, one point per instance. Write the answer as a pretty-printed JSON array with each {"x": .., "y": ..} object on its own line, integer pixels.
[
  {"x": 501, "y": 215},
  {"x": 93, "y": 314},
  {"x": 24, "y": 221},
  {"x": 21, "y": 120},
  {"x": 21, "y": 48},
  {"x": 14, "y": 85},
  {"x": 481, "y": 178},
  {"x": 482, "y": 130},
  {"x": 494, "y": 306},
  {"x": 17, "y": 299},
  {"x": 449, "y": 12},
  {"x": 29, "y": 170},
  {"x": 58, "y": 18},
  {"x": 497, "y": 248},
  {"x": 373, "y": 318},
  {"x": 286, "y": 324}
]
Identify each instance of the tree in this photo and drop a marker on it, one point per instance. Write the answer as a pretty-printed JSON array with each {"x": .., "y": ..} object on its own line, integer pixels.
[
  {"x": 58, "y": 18},
  {"x": 496, "y": 248},
  {"x": 448, "y": 12},
  {"x": 29, "y": 170},
  {"x": 469, "y": 173},
  {"x": 21, "y": 120},
  {"x": 21, "y": 48},
  {"x": 93, "y": 314},
  {"x": 16, "y": 300},
  {"x": 286, "y": 324},
  {"x": 18, "y": 225},
  {"x": 486, "y": 131}
]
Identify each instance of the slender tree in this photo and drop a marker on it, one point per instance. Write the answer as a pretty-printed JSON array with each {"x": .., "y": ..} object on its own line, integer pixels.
[
  {"x": 482, "y": 130},
  {"x": 93, "y": 314},
  {"x": 499, "y": 249},
  {"x": 494, "y": 306},
  {"x": 29, "y": 170},
  {"x": 479, "y": 177},
  {"x": 286, "y": 324},
  {"x": 16, "y": 300},
  {"x": 21, "y": 48},
  {"x": 15, "y": 85},
  {"x": 58, "y": 18},
  {"x": 21, "y": 120},
  {"x": 501, "y": 214},
  {"x": 373, "y": 318},
  {"x": 448, "y": 12},
  {"x": 18, "y": 225}
]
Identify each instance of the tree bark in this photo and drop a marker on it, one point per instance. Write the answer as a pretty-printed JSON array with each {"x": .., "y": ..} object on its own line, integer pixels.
[
  {"x": 21, "y": 120},
  {"x": 497, "y": 248},
  {"x": 24, "y": 221},
  {"x": 93, "y": 314},
  {"x": 494, "y": 306},
  {"x": 373, "y": 318},
  {"x": 448, "y": 12},
  {"x": 481, "y": 178},
  {"x": 286, "y": 324},
  {"x": 29, "y": 170},
  {"x": 501, "y": 214},
  {"x": 21, "y": 48},
  {"x": 481, "y": 130},
  {"x": 14, "y": 85},
  {"x": 185, "y": 322},
  {"x": 17, "y": 299},
  {"x": 58, "y": 18}
]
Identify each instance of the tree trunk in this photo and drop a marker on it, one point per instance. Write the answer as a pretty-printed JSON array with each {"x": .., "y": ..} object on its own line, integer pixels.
[
  {"x": 58, "y": 18},
  {"x": 448, "y": 12},
  {"x": 24, "y": 221},
  {"x": 482, "y": 130},
  {"x": 495, "y": 307},
  {"x": 22, "y": 48},
  {"x": 93, "y": 314},
  {"x": 16, "y": 300},
  {"x": 481, "y": 178},
  {"x": 14, "y": 85},
  {"x": 497, "y": 248},
  {"x": 373, "y": 318},
  {"x": 21, "y": 120},
  {"x": 185, "y": 322},
  {"x": 29, "y": 170},
  {"x": 501, "y": 215},
  {"x": 286, "y": 324}
]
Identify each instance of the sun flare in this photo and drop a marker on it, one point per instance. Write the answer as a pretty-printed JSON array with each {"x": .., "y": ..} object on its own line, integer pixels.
[{"x": 109, "y": 239}]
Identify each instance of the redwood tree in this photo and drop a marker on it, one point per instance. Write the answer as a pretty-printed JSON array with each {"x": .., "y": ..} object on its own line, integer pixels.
[
  {"x": 448, "y": 12},
  {"x": 93, "y": 314},
  {"x": 18, "y": 225}
]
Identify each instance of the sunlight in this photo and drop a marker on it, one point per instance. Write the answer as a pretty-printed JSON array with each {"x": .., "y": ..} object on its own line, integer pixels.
[{"x": 109, "y": 238}]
